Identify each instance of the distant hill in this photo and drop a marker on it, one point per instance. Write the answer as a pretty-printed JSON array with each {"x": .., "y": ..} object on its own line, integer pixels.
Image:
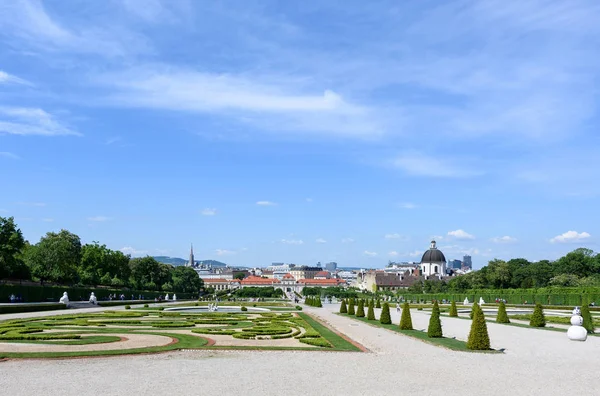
[{"x": 176, "y": 261}]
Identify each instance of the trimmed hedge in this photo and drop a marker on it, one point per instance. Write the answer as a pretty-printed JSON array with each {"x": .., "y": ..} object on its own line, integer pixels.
[
  {"x": 371, "y": 311},
  {"x": 343, "y": 307},
  {"x": 453, "y": 311},
  {"x": 406, "y": 320},
  {"x": 434, "y": 330},
  {"x": 502, "y": 317},
  {"x": 18, "y": 308},
  {"x": 385, "y": 314},
  {"x": 588, "y": 322},
  {"x": 360, "y": 310},
  {"x": 537, "y": 318},
  {"x": 478, "y": 340}
]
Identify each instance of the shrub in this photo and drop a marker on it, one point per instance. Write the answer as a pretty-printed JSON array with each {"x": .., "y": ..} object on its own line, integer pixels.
[
  {"x": 127, "y": 306},
  {"x": 343, "y": 307},
  {"x": 479, "y": 340},
  {"x": 146, "y": 305},
  {"x": 453, "y": 310},
  {"x": 435, "y": 325},
  {"x": 419, "y": 308},
  {"x": 351, "y": 307},
  {"x": 320, "y": 342},
  {"x": 537, "y": 318},
  {"x": 378, "y": 305},
  {"x": 385, "y": 314},
  {"x": 588, "y": 322},
  {"x": 371, "y": 311},
  {"x": 298, "y": 307},
  {"x": 406, "y": 320},
  {"x": 502, "y": 316},
  {"x": 475, "y": 308},
  {"x": 360, "y": 310},
  {"x": 244, "y": 309}
]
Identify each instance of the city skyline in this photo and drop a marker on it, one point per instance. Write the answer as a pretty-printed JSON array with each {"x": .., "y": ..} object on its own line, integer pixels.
[{"x": 338, "y": 132}]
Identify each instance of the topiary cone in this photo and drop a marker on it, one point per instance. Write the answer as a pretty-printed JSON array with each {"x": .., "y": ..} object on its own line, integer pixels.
[
  {"x": 479, "y": 340},
  {"x": 371, "y": 312},
  {"x": 537, "y": 318},
  {"x": 406, "y": 320},
  {"x": 453, "y": 310},
  {"x": 378, "y": 304},
  {"x": 502, "y": 316},
  {"x": 343, "y": 307},
  {"x": 385, "y": 314},
  {"x": 435, "y": 325},
  {"x": 588, "y": 322},
  {"x": 475, "y": 308},
  {"x": 360, "y": 310},
  {"x": 351, "y": 308}
]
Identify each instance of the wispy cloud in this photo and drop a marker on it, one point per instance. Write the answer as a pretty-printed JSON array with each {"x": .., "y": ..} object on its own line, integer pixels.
[
  {"x": 266, "y": 203},
  {"x": 393, "y": 253},
  {"x": 415, "y": 253},
  {"x": 39, "y": 204},
  {"x": 224, "y": 252},
  {"x": 47, "y": 220},
  {"x": 292, "y": 241},
  {"x": 320, "y": 240},
  {"x": 571, "y": 237},
  {"x": 6, "y": 154},
  {"x": 209, "y": 212},
  {"x": 407, "y": 205},
  {"x": 6, "y": 78},
  {"x": 370, "y": 254},
  {"x": 31, "y": 121},
  {"x": 396, "y": 236},
  {"x": 98, "y": 219},
  {"x": 113, "y": 140},
  {"x": 309, "y": 200},
  {"x": 420, "y": 164},
  {"x": 347, "y": 240},
  {"x": 504, "y": 239},
  {"x": 132, "y": 251},
  {"x": 460, "y": 235}
]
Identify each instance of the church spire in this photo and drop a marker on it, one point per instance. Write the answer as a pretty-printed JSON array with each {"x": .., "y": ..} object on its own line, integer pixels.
[{"x": 191, "y": 262}]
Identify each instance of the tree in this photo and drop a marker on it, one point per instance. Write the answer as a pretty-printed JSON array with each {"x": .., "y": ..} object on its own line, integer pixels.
[
  {"x": 453, "y": 311},
  {"x": 378, "y": 305},
  {"x": 186, "y": 280},
  {"x": 371, "y": 311},
  {"x": 537, "y": 318},
  {"x": 478, "y": 340},
  {"x": 502, "y": 317},
  {"x": 435, "y": 325},
  {"x": 145, "y": 273},
  {"x": 351, "y": 307},
  {"x": 343, "y": 307},
  {"x": 12, "y": 244},
  {"x": 473, "y": 309},
  {"x": 56, "y": 257},
  {"x": 406, "y": 320},
  {"x": 385, "y": 314},
  {"x": 360, "y": 310},
  {"x": 588, "y": 322}
]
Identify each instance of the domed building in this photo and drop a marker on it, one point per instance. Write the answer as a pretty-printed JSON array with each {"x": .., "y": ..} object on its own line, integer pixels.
[{"x": 433, "y": 262}]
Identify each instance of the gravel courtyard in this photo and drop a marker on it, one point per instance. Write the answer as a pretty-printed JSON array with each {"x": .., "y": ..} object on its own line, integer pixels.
[{"x": 535, "y": 362}]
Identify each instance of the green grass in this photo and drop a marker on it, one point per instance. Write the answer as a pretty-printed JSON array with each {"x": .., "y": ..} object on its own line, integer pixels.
[{"x": 338, "y": 342}]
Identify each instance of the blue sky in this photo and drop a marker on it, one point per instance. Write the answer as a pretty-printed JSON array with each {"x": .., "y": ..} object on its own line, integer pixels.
[{"x": 345, "y": 131}]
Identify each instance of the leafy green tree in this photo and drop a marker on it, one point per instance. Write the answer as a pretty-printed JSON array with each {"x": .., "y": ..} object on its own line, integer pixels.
[
  {"x": 371, "y": 311},
  {"x": 453, "y": 311},
  {"x": 351, "y": 310},
  {"x": 343, "y": 307},
  {"x": 12, "y": 245},
  {"x": 588, "y": 322},
  {"x": 435, "y": 325},
  {"x": 56, "y": 257},
  {"x": 405, "y": 319},
  {"x": 385, "y": 314},
  {"x": 479, "y": 339},
  {"x": 145, "y": 273},
  {"x": 537, "y": 318},
  {"x": 186, "y": 280},
  {"x": 502, "y": 317},
  {"x": 360, "y": 310}
]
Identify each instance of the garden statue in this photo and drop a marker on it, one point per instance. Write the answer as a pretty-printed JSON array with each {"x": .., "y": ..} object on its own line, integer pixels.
[
  {"x": 167, "y": 297},
  {"x": 174, "y": 297},
  {"x": 466, "y": 301},
  {"x": 93, "y": 299},
  {"x": 577, "y": 332},
  {"x": 481, "y": 302},
  {"x": 64, "y": 299}
]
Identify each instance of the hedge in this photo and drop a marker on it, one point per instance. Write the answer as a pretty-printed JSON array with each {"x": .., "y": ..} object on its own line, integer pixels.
[{"x": 18, "y": 308}]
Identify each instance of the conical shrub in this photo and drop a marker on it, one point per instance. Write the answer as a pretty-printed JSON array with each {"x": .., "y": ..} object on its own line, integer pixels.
[
  {"x": 343, "y": 307},
  {"x": 378, "y": 305},
  {"x": 371, "y": 311},
  {"x": 406, "y": 320},
  {"x": 453, "y": 310},
  {"x": 537, "y": 318},
  {"x": 479, "y": 340},
  {"x": 351, "y": 307},
  {"x": 435, "y": 325},
  {"x": 588, "y": 322},
  {"x": 319, "y": 303},
  {"x": 502, "y": 316},
  {"x": 385, "y": 314},
  {"x": 473, "y": 309},
  {"x": 360, "y": 310}
]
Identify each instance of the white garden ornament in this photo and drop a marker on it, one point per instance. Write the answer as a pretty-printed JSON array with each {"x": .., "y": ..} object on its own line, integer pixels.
[{"x": 577, "y": 332}]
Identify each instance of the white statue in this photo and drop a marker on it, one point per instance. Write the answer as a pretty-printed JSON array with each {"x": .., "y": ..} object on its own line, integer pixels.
[
  {"x": 93, "y": 299},
  {"x": 167, "y": 297},
  {"x": 174, "y": 297},
  {"x": 466, "y": 301},
  {"x": 64, "y": 299},
  {"x": 481, "y": 302},
  {"x": 577, "y": 332}
]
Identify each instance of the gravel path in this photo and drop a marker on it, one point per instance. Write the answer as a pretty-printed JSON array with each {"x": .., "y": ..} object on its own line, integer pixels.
[{"x": 536, "y": 362}]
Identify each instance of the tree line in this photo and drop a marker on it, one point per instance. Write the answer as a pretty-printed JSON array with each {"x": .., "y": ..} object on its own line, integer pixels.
[
  {"x": 60, "y": 257},
  {"x": 579, "y": 268}
]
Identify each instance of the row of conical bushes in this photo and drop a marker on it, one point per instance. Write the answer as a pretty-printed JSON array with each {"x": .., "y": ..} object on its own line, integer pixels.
[{"x": 313, "y": 301}]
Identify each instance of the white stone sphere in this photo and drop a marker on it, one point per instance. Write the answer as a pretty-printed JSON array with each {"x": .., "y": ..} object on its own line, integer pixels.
[
  {"x": 577, "y": 333},
  {"x": 576, "y": 320}
]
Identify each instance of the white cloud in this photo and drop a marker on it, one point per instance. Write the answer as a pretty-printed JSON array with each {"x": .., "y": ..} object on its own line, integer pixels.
[
  {"x": 438, "y": 238},
  {"x": 416, "y": 253},
  {"x": 504, "y": 239},
  {"x": 570, "y": 237},
  {"x": 460, "y": 235},
  {"x": 6, "y": 154},
  {"x": 133, "y": 251},
  {"x": 113, "y": 140},
  {"x": 266, "y": 203},
  {"x": 393, "y": 253},
  {"x": 31, "y": 121},
  {"x": 407, "y": 205},
  {"x": 98, "y": 218},
  {"x": 292, "y": 241},
  {"x": 420, "y": 164},
  {"x": 321, "y": 240},
  {"x": 6, "y": 78},
  {"x": 347, "y": 240},
  {"x": 209, "y": 212},
  {"x": 396, "y": 236},
  {"x": 370, "y": 254},
  {"x": 224, "y": 252}
]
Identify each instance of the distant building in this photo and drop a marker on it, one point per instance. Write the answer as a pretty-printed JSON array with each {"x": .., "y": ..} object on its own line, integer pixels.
[
  {"x": 191, "y": 260},
  {"x": 331, "y": 267},
  {"x": 433, "y": 261},
  {"x": 467, "y": 263},
  {"x": 305, "y": 272},
  {"x": 455, "y": 264}
]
